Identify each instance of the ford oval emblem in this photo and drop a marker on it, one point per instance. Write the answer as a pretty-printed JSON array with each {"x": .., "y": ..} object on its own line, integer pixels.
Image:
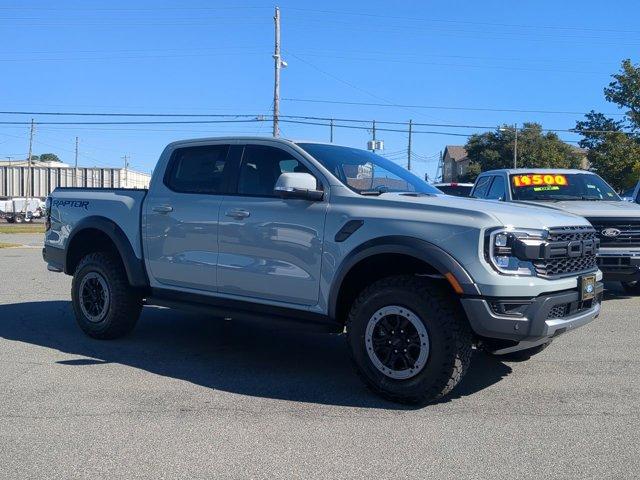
[{"x": 611, "y": 232}]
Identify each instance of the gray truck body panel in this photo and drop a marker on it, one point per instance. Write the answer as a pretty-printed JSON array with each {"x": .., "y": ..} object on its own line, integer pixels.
[{"x": 288, "y": 253}]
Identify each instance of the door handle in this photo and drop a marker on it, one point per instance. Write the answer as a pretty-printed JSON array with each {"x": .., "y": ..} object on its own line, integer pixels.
[
  {"x": 162, "y": 208},
  {"x": 237, "y": 213}
]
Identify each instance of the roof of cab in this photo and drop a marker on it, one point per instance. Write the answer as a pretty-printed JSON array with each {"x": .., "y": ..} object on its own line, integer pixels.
[
  {"x": 229, "y": 139},
  {"x": 247, "y": 138}
]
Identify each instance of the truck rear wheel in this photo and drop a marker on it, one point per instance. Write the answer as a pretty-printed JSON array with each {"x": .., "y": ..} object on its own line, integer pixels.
[
  {"x": 104, "y": 303},
  {"x": 409, "y": 340}
]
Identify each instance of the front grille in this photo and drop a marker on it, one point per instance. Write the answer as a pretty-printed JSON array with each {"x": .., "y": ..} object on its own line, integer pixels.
[
  {"x": 569, "y": 250},
  {"x": 559, "y": 311},
  {"x": 564, "y": 266},
  {"x": 629, "y": 231},
  {"x": 568, "y": 309}
]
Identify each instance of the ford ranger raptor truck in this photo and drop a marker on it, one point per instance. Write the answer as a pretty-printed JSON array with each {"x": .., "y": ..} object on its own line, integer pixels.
[
  {"x": 332, "y": 238},
  {"x": 616, "y": 222}
]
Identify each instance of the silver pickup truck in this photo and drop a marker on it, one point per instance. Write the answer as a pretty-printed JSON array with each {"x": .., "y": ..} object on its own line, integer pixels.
[
  {"x": 334, "y": 238},
  {"x": 617, "y": 223}
]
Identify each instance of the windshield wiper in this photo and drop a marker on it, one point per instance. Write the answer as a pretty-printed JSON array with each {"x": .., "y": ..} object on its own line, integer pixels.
[
  {"x": 374, "y": 191},
  {"x": 556, "y": 198}
]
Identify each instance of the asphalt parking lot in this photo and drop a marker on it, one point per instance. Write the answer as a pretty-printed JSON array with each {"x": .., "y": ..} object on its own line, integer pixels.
[{"x": 186, "y": 396}]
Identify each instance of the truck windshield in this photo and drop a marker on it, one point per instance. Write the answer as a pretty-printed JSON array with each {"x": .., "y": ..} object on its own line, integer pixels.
[
  {"x": 559, "y": 187},
  {"x": 365, "y": 172}
]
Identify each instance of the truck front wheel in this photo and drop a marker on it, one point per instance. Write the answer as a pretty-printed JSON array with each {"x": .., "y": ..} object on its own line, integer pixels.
[
  {"x": 409, "y": 339},
  {"x": 104, "y": 303}
]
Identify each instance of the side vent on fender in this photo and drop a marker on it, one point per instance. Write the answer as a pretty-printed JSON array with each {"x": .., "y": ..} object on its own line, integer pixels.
[{"x": 348, "y": 229}]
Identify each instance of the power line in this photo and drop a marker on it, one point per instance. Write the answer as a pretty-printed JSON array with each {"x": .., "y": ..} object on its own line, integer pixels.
[
  {"x": 299, "y": 119},
  {"x": 227, "y": 115},
  {"x": 135, "y": 9},
  {"x": 120, "y": 114},
  {"x": 440, "y": 107},
  {"x": 172, "y": 122},
  {"x": 462, "y": 22},
  {"x": 318, "y": 121},
  {"x": 443, "y": 64}
]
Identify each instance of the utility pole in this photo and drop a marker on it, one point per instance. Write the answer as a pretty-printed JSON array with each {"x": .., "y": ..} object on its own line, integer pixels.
[
  {"x": 276, "y": 83},
  {"x": 29, "y": 170},
  {"x": 331, "y": 131},
  {"x": 126, "y": 170},
  {"x": 515, "y": 146},
  {"x": 373, "y": 144},
  {"x": 409, "y": 145},
  {"x": 75, "y": 170},
  {"x": 440, "y": 170}
]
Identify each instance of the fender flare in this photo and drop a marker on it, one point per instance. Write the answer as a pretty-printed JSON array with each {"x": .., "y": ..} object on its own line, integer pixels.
[
  {"x": 435, "y": 256},
  {"x": 133, "y": 266}
]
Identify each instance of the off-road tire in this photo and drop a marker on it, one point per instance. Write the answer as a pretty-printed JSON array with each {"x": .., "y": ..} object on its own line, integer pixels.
[
  {"x": 450, "y": 338},
  {"x": 632, "y": 288},
  {"x": 125, "y": 304},
  {"x": 523, "y": 355}
]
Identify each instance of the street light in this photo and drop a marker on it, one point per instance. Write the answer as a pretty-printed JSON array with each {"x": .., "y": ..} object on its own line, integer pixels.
[{"x": 515, "y": 143}]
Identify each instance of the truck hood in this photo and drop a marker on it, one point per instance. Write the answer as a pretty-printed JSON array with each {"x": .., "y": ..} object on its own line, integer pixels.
[
  {"x": 505, "y": 214},
  {"x": 594, "y": 209}
]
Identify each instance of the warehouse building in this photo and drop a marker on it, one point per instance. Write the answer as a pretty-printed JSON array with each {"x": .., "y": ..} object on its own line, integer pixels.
[{"x": 46, "y": 176}]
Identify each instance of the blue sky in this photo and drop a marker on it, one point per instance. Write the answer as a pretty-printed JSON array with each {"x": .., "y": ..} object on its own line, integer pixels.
[{"x": 215, "y": 57}]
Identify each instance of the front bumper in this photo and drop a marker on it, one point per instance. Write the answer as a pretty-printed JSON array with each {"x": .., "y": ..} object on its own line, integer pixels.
[
  {"x": 619, "y": 265},
  {"x": 529, "y": 321}
]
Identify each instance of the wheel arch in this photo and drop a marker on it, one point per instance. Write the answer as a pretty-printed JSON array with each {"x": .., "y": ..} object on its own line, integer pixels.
[
  {"x": 424, "y": 257},
  {"x": 96, "y": 233}
]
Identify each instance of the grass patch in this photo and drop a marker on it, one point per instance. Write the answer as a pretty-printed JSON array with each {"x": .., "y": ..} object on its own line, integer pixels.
[
  {"x": 8, "y": 245},
  {"x": 22, "y": 228}
]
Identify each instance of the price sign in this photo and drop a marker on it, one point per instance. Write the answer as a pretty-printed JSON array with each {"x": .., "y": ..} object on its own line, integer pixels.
[{"x": 539, "y": 179}]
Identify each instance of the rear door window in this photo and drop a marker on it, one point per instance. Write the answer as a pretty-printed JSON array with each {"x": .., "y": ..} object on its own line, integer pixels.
[
  {"x": 201, "y": 169},
  {"x": 497, "y": 190},
  {"x": 482, "y": 187}
]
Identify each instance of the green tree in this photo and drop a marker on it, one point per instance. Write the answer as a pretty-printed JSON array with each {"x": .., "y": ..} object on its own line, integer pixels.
[
  {"x": 614, "y": 145},
  {"x": 624, "y": 91},
  {"x": 49, "y": 157},
  {"x": 492, "y": 150}
]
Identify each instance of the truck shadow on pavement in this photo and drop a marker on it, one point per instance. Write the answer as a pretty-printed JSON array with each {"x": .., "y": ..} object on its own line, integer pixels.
[
  {"x": 229, "y": 356},
  {"x": 614, "y": 291}
]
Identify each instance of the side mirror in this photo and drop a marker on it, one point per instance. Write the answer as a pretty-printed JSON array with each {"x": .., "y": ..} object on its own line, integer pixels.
[{"x": 298, "y": 185}]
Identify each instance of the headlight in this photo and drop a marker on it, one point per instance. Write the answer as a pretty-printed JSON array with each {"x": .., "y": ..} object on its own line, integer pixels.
[{"x": 510, "y": 250}]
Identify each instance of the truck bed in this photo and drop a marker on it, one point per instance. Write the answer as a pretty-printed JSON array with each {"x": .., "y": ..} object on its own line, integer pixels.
[{"x": 71, "y": 207}]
